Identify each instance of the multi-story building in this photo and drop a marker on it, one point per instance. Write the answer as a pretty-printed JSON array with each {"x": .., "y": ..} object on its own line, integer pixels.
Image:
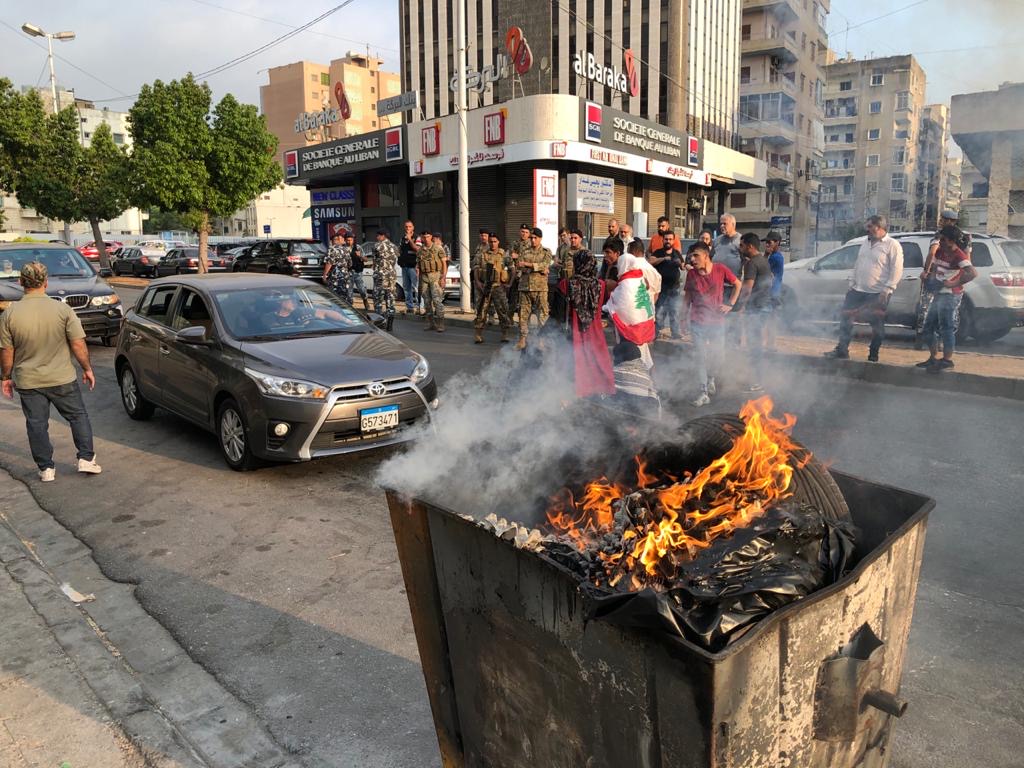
[
  {"x": 873, "y": 110},
  {"x": 279, "y": 212},
  {"x": 974, "y": 197},
  {"x": 29, "y": 221},
  {"x": 781, "y": 112},
  {"x": 933, "y": 138},
  {"x": 989, "y": 128},
  {"x": 951, "y": 188},
  {"x": 308, "y": 103}
]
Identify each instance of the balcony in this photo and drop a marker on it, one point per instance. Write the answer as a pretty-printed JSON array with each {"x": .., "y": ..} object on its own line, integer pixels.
[
  {"x": 774, "y": 84},
  {"x": 828, "y": 173},
  {"x": 780, "y": 173},
  {"x": 780, "y": 46},
  {"x": 786, "y": 10},
  {"x": 839, "y": 197}
]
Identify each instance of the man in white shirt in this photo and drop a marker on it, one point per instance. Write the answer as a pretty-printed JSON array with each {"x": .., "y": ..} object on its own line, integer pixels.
[
  {"x": 726, "y": 249},
  {"x": 876, "y": 274}
]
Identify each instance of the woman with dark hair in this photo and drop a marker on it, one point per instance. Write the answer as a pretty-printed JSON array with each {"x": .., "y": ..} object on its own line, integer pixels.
[{"x": 585, "y": 294}]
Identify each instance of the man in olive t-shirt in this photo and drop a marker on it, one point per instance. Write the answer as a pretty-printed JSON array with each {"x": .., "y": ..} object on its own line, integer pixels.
[{"x": 38, "y": 336}]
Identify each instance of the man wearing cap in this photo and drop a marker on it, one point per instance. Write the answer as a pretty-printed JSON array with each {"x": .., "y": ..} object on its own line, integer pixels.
[
  {"x": 534, "y": 262},
  {"x": 432, "y": 265},
  {"x": 385, "y": 277},
  {"x": 948, "y": 218},
  {"x": 38, "y": 337}
]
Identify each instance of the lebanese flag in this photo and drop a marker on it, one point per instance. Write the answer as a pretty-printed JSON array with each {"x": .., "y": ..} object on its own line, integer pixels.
[{"x": 632, "y": 309}]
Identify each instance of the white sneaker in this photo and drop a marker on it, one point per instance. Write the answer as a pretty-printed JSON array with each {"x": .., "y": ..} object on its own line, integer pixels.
[
  {"x": 89, "y": 467},
  {"x": 712, "y": 390},
  {"x": 47, "y": 475},
  {"x": 702, "y": 400}
]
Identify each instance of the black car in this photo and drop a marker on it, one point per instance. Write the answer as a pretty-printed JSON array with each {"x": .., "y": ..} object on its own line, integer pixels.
[
  {"x": 137, "y": 261},
  {"x": 72, "y": 280},
  {"x": 295, "y": 257},
  {"x": 183, "y": 261},
  {"x": 278, "y": 368}
]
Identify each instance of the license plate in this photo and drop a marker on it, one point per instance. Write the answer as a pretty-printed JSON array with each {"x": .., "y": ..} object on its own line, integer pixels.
[
  {"x": 311, "y": 261},
  {"x": 376, "y": 419}
]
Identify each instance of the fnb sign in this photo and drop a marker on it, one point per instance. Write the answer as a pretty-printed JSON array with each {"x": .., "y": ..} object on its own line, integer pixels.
[
  {"x": 494, "y": 128},
  {"x": 432, "y": 140}
]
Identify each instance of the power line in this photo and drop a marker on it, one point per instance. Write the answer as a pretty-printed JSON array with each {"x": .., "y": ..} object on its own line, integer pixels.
[
  {"x": 290, "y": 26},
  {"x": 886, "y": 15}
]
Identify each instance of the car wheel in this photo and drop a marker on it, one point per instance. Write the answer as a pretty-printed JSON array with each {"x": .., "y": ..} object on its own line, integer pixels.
[
  {"x": 115, "y": 269},
  {"x": 135, "y": 405},
  {"x": 233, "y": 439}
]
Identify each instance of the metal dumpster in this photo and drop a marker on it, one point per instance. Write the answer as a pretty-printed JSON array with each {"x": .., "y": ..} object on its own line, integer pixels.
[{"x": 518, "y": 678}]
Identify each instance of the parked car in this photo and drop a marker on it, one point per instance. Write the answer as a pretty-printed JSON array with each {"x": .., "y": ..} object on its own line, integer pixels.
[
  {"x": 138, "y": 261},
  {"x": 452, "y": 278},
  {"x": 992, "y": 306},
  {"x": 283, "y": 256},
  {"x": 182, "y": 261},
  {"x": 72, "y": 280},
  {"x": 92, "y": 253},
  {"x": 278, "y": 368}
]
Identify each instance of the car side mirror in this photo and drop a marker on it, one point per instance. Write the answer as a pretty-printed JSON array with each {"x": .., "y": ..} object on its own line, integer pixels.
[
  {"x": 379, "y": 321},
  {"x": 194, "y": 334},
  {"x": 814, "y": 266},
  {"x": 106, "y": 272}
]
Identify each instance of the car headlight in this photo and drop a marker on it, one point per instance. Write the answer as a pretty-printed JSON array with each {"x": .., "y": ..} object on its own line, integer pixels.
[
  {"x": 283, "y": 387},
  {"x": 421, "y": 371},
  {"x": 103, "y": 301}
]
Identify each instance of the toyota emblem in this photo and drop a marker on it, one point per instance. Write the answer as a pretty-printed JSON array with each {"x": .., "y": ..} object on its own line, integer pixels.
[{"x": 377, "y": 388}]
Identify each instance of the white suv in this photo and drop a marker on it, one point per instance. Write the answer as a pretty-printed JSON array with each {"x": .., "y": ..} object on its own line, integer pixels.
[{"x": 993, "y": 303}]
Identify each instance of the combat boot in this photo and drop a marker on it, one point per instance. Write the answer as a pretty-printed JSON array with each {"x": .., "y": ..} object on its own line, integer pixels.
[
  {"x": 504, "y": 335},
  {"x": 440, "y": 326},
  {"x": 429, "y": 326},
  {"x": 521, "y": 344},
  {"x": 478, "y": 337},
  {"x": 390, "y": 324}
]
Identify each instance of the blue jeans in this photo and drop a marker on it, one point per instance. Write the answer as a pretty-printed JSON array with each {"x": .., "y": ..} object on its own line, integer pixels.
[
  {"x": 708, "y": 346},
  {"x": 409, "y": 286},
  {"x": 667, "y": 311},
  {"x": 357, "y": 287},
  {"x": 941, "y": 322},
  {"x": 67, "y": 399}
]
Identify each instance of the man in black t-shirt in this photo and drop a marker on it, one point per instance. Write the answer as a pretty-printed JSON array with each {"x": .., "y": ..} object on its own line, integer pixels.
[
  {"x": 668, "y": 260},
  {"x": 755, "y": 301},
  {"x": 407, "y": 265},
  {"x": 357, "y": 267}
]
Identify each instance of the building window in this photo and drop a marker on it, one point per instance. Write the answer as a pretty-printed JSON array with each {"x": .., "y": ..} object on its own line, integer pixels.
[
  {"x": 325, "y": 78},
  {"x": 899, "y": 182},
  {"x": 849, "y": 137},
  {"x": 877, "y": 78},
  {"x": 833, "y": 138},
  {"x": 899, "y": 156},
  {"x": 744, "y": 32},
  {"x": 875, "y": 108},
  {"x": 119, "y": 138},
  {"x": 372, "y": 89},
  {"x": 898, "y": 209},
  {"x": 848, "y": 187},
  {"x": 87, "y": 134},
  {"x": 744, "y": 75},
  {"x": 901, "y": 133},
  {"x": 373, "y": 123},
  {"x": 315, "y": 94},
  {"x": 871, "y": 188},
  {"x": 738, "y": 200},
  {"x": 872, "y": 161},
  {"x": 313, "y": 78},
  {"x": 903, "y": 100},
  {"x": 845, "y": 85},
  {"x": 873, "y": 134}
]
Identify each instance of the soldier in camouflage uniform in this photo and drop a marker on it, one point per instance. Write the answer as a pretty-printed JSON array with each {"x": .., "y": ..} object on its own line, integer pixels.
[
  {"x": 338, "y": 268},
  {"x": 533, "y": 264},
  {"x": 385, "y": 277},
  {"x": 432, "y": 265},
  {"x": 517, "y": 247},
  {"x": 491, "y": 278}
]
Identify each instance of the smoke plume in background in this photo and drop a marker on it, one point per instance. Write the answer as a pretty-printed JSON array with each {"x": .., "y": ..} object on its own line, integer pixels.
[{"x": 510, "y": 436}]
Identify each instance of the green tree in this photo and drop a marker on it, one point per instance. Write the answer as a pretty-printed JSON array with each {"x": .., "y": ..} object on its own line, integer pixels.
[
  {"x": 160, "y": 221},
  {"x": 197, "y": 162},
  {"x": 103, "y": 185}
]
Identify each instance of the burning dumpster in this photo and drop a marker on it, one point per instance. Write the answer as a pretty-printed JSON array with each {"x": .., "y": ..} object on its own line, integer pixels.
[{"x": 610, "y": 635}]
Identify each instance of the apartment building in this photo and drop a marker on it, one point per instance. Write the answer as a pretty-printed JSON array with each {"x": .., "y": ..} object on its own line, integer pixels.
[
  {"x": 989, "y": 128},
  {"x": 951, "y": 186},
  {"x": 974, "y": 197},
  {"x": 782, "y": 82},
  {"x": 933, "y": 139},
  {"x": 308, "y": 103},
  {"x": 873, "y": 120}
]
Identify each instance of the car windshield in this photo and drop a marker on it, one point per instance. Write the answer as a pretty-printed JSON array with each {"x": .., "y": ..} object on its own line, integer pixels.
[
  {"x": 59, "y": 262},
  {"x": 308, "y": 248},
  {"x": 1014, "y": 250},
  {"x": 268, "y": 314}
]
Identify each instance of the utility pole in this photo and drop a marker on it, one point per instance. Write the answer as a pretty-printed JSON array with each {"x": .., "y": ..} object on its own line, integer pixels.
[{"x": 463, "y": 185}]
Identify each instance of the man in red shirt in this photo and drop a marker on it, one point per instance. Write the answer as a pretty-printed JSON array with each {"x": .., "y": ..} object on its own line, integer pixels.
[
  {"x": 703, "y": 295},
  {"x": 947, "y": 273}
]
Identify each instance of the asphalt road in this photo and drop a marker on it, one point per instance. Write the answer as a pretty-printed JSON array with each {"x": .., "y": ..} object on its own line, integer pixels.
[{"x": 284, "y": 582}]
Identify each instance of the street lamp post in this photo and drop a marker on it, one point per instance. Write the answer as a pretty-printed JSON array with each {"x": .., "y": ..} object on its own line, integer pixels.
[{"x": 34, "y": 31}]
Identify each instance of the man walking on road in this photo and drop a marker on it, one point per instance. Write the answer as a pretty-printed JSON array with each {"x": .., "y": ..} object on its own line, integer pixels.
[
  {"x": 533, "y": 264},
  {"x": 432, "y": 265},
  {"x": 38, "y": 336},
  {"x": 491, "y": 278},
  {"x": 704, "y": 293},
  {"x": 756, "y": 302},
  {"x": 876, "y": 274},
  {"x": 948, "y": 270},
  {"x": 385, "y": 277}
]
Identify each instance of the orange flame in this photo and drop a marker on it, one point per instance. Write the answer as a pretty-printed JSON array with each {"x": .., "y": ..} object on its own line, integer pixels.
[{"x": 686, "y": 516}]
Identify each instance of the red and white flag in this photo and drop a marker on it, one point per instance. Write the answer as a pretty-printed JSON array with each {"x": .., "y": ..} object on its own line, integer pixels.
[{"x": 631, "y": 306}]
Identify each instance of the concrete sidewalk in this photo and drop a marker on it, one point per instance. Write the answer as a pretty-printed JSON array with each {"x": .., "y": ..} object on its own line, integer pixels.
[{"x": 99, "y": 683}]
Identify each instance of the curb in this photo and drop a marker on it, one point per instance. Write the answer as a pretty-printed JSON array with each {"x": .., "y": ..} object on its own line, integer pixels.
[{"x": 172, "y": 710}]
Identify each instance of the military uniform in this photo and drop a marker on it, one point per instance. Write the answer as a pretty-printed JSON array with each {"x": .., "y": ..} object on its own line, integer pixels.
[
  {"x": 493, "y": 275},
  {"x": 385, "y": 277},
  {"x": 339, "y": 278},
  {"x": 533, "y": 288},
  {"x": 430, "y": 262}
]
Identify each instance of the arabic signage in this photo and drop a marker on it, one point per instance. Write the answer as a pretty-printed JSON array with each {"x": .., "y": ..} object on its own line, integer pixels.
[
  {"x": 517, "y": 59},
  {"x": 310, "y": 121},
  {"x": 627, "y": 82},
  {"x": 349, "y": 155},
  {"x": 590, "y": 194},
  {"x": 545, "y": 205},
  {"x": 403, "y": 102},
  {"x": 614, "y": 129}
]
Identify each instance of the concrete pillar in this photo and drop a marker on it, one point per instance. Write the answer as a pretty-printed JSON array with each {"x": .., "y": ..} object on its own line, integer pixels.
[
  {"x": 999, "y": 185},
  {"x": 678, "y": 35}
]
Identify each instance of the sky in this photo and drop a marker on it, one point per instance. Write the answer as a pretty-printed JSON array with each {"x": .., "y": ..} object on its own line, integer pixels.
[{"x": 123, "y": 44}]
